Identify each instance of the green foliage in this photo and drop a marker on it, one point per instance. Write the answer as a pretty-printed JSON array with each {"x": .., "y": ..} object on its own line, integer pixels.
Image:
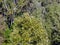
[
  {"x": 6, "y": 33},
  {"x": 52, "y": 22},
  {"x": 28, "y": 30},
  {"x": 42, "y": 27},
  {"x": 12, "y": 7}
]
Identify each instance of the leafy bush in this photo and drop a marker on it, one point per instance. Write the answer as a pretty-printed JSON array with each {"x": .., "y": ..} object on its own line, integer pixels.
[
  {"x": 52, "y": 23},
  {"x": 27, "y": 30},
  {"x": 51, "y": 20}
]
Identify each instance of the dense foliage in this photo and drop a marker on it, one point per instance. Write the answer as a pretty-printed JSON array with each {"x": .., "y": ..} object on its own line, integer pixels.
[
  {"x": 30, "y": 22},
  {"x": 27, "y": 31}
]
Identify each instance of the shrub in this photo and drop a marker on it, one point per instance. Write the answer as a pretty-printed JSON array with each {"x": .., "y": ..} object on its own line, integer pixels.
[
  {"x": 27, "y": 30},
  {"x": 52, "y": 23}
]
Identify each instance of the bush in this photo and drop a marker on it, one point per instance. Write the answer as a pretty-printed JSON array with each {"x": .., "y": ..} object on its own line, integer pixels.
[
  {"x": 27, "y": 30},
  {"x": 52, "y": 23}
]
